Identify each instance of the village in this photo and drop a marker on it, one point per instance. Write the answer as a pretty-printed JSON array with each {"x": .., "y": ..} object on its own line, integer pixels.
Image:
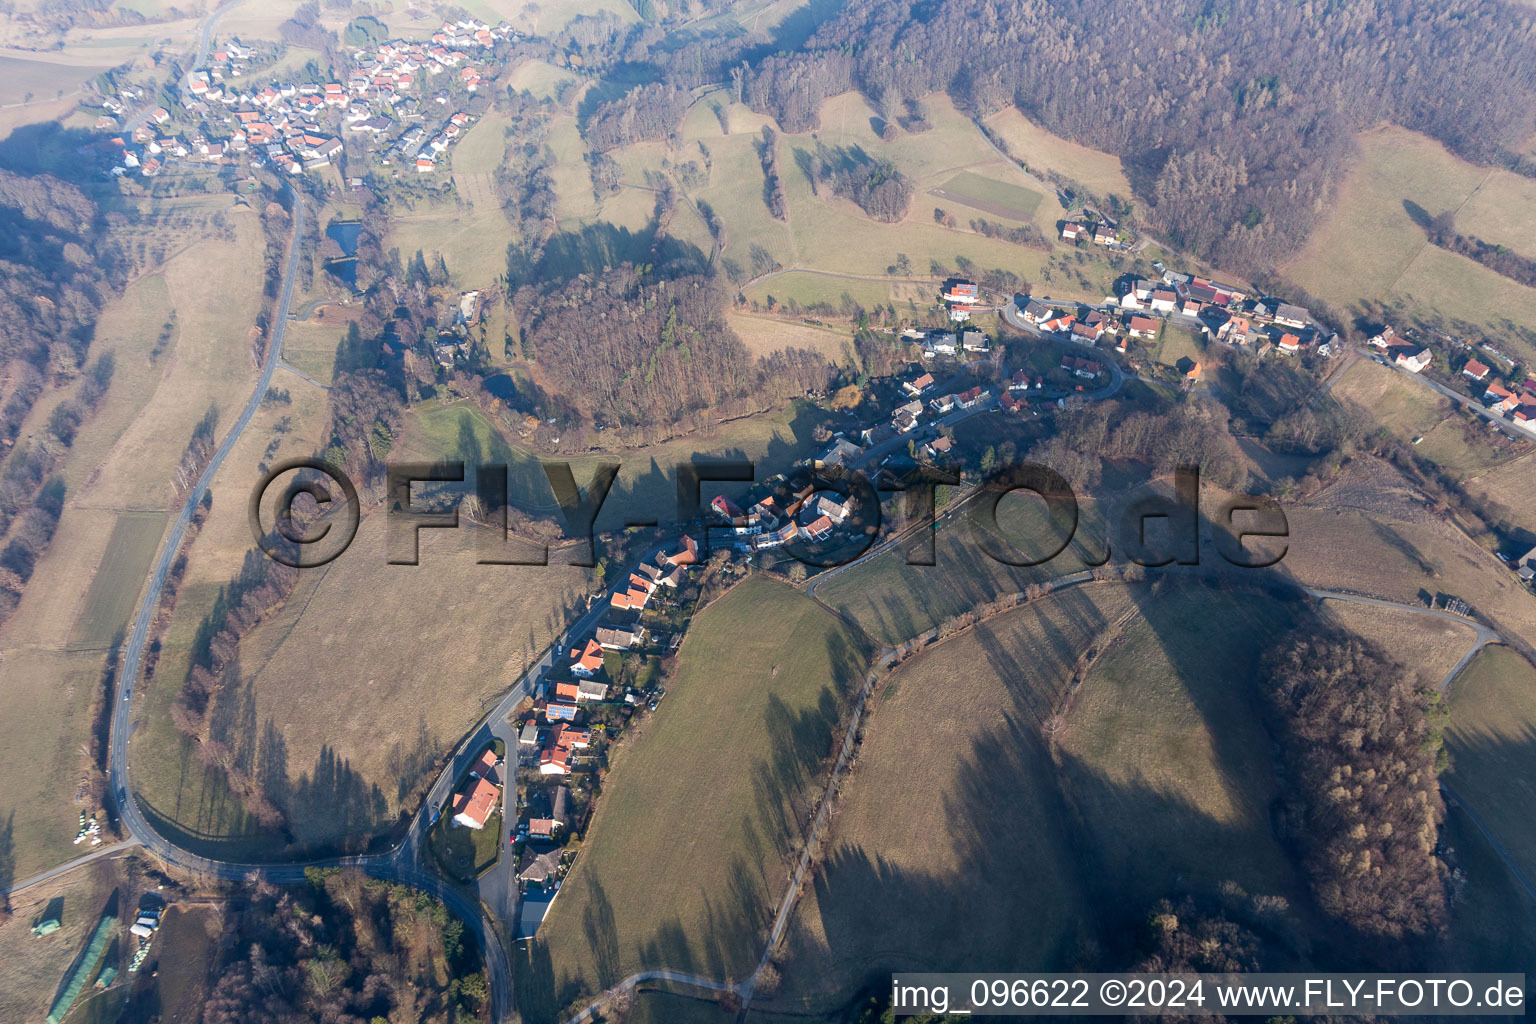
[{"x": 401, "y": 104}]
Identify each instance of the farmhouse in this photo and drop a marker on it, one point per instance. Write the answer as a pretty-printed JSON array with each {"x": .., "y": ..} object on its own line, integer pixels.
[
  {"x": 1070, "y": 230},
  {"x": 1475, "y": 370}
]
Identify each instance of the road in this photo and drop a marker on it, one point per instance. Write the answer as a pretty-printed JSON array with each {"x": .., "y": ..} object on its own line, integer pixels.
[
  {"x": 204, "y": 43},
  {"x": 1470, "y": 404},
  {"x": 1011, "y": 315},
  {"x": 100, "y": 853},
  {"x": 403, "y": 863}
]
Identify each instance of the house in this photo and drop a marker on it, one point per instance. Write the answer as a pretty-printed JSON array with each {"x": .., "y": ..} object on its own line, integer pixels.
[
  {"x": 1475, "y": 370},
  {"x": 686, "y": 554},
  {"x": 1499, "y": 398},
  {"x": 1192, "y": 375},
  {"x": 1386, "y": 339},
  {"x": 1070, "y": 230},
  {"x": 832, "y": 508},
  {"x": 588, "y": 660},
  {"x": 1059, "y": 324},
  {"x": 539, "y": 868},
  {"x": 634, "y": 599},
  {"x": 973, "y": 341},
  {"x": 1085, "y": 368},
  {"x": 1143, "y": 326},
  {"x": 529, "y": 735},
  {"x": 1288, "y": 343},
  {"x": 560, "y": 711},
  {"x": 1234, "y": 331},
  {"x": 1289, "y": 315},
  {"x": 473, "y": 806},
  {"x": 1413, "y": 362},
  {"x": 842, "y": 453},
  {"x": 939, "y": 446},
  {"x": 541, "y": 828},
  {"x": 1086, "y": 333},
  {"x": 591, "y": 689},
  {"x": 1011, "y": 403},
  {"x": 1019, "y": 381},
  {"x": 943, "y": 343},
  {"x": 1164, "y": 301},
  {"x": 1036, "y": 312},
  {"x": 618, "y": 639},
  {"x": 726, "y": 509},
  {"x": 819, "y": 528},
  {"x": 555, "y": 761},
  {"x": 961, "y": 292},
  {"x": 942, "y": 404},
  {"x": 918, "y": 385},
  {"x": 566, "y": 691},
  {"x": 485, "y": 765},
  {"x": 1103, "y": 234},
  {"x": 971, "y": 397}
]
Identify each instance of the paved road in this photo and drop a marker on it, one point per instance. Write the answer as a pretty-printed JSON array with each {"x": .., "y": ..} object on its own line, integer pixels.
[
  {"x": 1471, "y": 404},
  {"x": 402, "y": 864},
  {"x": 97, "y": 854}
]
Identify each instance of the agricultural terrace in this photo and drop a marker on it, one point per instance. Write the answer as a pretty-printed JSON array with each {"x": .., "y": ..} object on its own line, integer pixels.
[
  {"x": 684, "y": 860},
  {"x": 964, "y": 818}
]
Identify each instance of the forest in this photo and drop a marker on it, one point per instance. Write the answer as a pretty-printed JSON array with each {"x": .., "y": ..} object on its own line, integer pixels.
[
  {"x": 1233, "y": 120},
  {"x": 344, "y": 949},
  {"x": 1361, "y": 749}
]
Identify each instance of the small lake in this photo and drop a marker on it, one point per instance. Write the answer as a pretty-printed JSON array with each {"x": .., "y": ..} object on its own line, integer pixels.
[{"x": 345, "y": 233}]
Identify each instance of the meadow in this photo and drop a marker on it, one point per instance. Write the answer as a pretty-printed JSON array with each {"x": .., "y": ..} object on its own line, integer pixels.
[
  {"x": 1369, "y": 249},
  {"x": 1042, "y": 152},
  {"x": 1491, "y": 738},
  {"x": 684, "y": 859},
  {"x": 764, "y": 335},
  {"x": 118, "y": 476},
  {"x": 967, "y": 812}
]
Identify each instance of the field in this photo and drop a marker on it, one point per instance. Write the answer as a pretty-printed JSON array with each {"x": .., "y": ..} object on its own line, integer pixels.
[
  {"x": 683, "y": 861},
  {"x": 1503, "y": 491},
  {"x": 1492, "y": 743},
  {"x": 35, "y": 965},
  {"x": 1041, "y": 151},
  {"x": 1371, "y": 250},
  {"x": 114, "y": 593},
  {"x": 471, "y": 239},
  {"x": 118, "y": 479},
  {"x": 1426, "y": 644},
  {"x": 429, "y": 650},
  {"x": 894, "y": 601},
  {"x": 646, "y": 486},
  {"x": 24, "y": 81},
  {"x": 962, "y": 819},
  {"x": 765, "y": 335},
  {"x": 990, "y": 196},
  {"x": 1410, "y": 410}
]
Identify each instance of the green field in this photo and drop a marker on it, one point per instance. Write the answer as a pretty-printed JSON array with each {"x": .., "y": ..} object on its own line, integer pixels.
[
  {"x": 964, "y": 819},
  {"x": 1492, "y": 742},
  {"x": 685, "y": 858},
  {"x": 465, "y": 853},
  {"x": 115, "y": 588},
  {"x": 990, "y": 196}
]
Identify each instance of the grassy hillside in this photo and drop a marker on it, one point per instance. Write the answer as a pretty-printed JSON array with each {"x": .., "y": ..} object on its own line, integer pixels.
[
  {"x": 684, "y": 861},
  {"x": 1369, "y": 248},
  {"x": 963, "y": 818},
  {"x": 1492, "y": 742}
]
